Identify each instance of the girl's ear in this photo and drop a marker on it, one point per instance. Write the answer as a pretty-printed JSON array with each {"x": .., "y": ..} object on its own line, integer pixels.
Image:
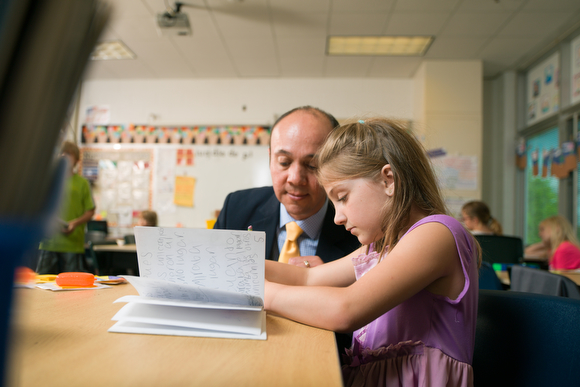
[{"x": 387, "y": 178}]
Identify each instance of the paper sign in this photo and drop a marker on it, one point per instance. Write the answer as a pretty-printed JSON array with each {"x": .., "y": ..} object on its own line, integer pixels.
[{"x": 184, "y": 191}]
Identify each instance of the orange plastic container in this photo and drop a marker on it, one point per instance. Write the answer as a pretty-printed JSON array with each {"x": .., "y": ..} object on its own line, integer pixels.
[{"x": 75, "y": 279}]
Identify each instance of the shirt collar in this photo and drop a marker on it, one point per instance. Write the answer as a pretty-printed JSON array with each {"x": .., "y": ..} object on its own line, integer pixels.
[{"x": 311, "y": 226}]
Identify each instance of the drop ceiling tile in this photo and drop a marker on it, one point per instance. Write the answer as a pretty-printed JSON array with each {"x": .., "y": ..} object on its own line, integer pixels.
[
  {"x": 306, "y": 6},
  {"x": 213, "y": 67},
  {"x": 490, "y": 6},
  {"x": 358, "y": 23},
  {"x": 243, "y": 26},
  {"x": 257, "y": 67},
  {"x": 302, "y": 66},
  {"x": 405, "y": 23},
  {"x": 507, "y": 51},
  {"x": 392, "y": 67},
  {"x": 452, "y": 47},
  {"x": 342, "y": 66},
  {"x": 552, "y": 5},
  {"x": 300, "y": 24},
  {"x": 122, "y": 69},
  {"x": 475, "y": 23},
  {"x": 426, "y": 5},
  {"x": 361, "y": 5},
  {"x": 97, "y": 71},
  {"x": 534, "y": 24},
  {"x": 289, "y": 47},
  {"x": 243, "y": 48},
  {"x": 121, "y": 9},
  {"x": 163, "y": 59},
  {"x": 135, "y": 29}
]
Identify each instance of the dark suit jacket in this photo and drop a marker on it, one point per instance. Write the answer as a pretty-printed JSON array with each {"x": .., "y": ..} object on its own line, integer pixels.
[{"x": 259, "y": 208}]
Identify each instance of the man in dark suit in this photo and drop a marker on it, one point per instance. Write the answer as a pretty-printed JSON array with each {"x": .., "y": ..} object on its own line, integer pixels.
[{"x": 295, "y": 195}]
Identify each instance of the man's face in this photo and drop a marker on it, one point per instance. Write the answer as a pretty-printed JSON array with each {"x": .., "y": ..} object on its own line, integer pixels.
[{"x": 294, "y": 142}]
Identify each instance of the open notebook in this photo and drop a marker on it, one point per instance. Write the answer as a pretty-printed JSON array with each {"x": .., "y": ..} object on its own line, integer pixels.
[{"x": 196, "y": 282}]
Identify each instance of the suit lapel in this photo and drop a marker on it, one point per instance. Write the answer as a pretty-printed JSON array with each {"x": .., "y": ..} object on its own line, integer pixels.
[
  {"x": 268, "y": 220},
  {"x": 330, "y": 235}
]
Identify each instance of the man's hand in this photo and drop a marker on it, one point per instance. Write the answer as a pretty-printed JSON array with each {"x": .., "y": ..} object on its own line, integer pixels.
[{"x": 306, "y": 261}]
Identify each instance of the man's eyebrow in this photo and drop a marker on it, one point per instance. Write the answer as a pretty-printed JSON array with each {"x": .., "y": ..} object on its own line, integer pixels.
[
  {"x": 283, "y": 152},
  {"x": 286, "y": 153}
]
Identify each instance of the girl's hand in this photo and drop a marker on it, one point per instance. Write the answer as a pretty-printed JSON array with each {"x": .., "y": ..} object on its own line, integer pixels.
[{"x": 306, "y": 261}]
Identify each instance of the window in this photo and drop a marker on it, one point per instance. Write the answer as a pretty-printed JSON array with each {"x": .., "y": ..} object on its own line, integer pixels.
[{"x": 541, "y": 199}]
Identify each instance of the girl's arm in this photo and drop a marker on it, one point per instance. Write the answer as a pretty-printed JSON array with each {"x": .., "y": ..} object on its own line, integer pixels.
[
  {"x": 335, "y": 273},
  {"x": 426, "y": 258},
  {"x": 537, "y": 250}
]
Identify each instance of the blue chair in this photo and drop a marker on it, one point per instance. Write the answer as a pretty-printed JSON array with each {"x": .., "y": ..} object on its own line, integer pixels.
[
  {"x": 487, "y": 277},
  {"x": 526, "y": 339}
]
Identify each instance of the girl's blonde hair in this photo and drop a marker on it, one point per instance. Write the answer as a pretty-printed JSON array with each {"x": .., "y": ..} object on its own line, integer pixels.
[
  {"x": 561, "y": 230},
  {"x": 480, "y": 210},
  {"x": 361, "y": 149}
]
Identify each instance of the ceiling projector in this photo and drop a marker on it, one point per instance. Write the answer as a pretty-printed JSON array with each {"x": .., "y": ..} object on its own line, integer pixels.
[{"x": 173, "y": 24}]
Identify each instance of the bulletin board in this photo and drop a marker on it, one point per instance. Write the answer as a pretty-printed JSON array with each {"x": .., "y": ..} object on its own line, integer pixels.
[
  {"x": 184, "y": 184},
  {"x": 121, "y": 183},
  {"x": 543, "y": 89}
]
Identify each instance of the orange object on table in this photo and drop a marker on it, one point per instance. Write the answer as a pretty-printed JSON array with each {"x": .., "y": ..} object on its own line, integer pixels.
[
  {"x": 75, "y": 279},
  {"x": 24, "y": 275}
]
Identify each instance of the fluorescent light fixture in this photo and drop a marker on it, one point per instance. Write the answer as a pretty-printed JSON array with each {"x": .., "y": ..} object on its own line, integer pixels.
[
  {"x": 378, "y": 45},
  {"x": 112, "y": 50}
]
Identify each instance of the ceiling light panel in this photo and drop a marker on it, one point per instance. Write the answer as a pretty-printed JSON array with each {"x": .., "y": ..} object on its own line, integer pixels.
[
  {"x": 378, "y": 45},
  {"x": 112, "y": 50}
]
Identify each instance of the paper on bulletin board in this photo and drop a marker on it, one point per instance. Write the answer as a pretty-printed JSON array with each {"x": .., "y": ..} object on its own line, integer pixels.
[
  {"x": 184, "y": 191},
  {"x": 456, "y": 172}
]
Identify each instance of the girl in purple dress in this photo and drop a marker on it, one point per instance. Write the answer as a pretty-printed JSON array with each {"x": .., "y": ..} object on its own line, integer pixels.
[{"x": 410, "y": 292}]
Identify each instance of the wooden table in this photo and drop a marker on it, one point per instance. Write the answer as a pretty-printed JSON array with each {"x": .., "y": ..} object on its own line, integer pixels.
[
  {"x": 116, "y": 248},
  {"x": 61, "y": 339},
  {"x": 574, "y": 275}
]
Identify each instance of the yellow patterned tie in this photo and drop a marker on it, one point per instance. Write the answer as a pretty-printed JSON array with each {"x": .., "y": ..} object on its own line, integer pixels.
[{"x": 290, "y": 248}]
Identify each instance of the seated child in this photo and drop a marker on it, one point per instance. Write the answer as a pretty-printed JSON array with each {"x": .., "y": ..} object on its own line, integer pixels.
[
  {"x": 410, "y": 293},
  {"x": 559, "y": 245}
]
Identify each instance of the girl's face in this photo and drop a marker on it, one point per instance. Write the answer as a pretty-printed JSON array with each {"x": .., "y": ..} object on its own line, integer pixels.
[
  {"x": 359, "y": 205},
  {"x": 545, "y": 233},
  {"x": 468, "y": 221}
]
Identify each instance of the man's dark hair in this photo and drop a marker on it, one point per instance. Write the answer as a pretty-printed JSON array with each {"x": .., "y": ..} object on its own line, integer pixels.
[{"x": 309, "y": 109}]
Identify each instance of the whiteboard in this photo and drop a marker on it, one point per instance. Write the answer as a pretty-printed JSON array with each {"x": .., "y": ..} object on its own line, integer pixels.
[{"x": 217, "y": 169}]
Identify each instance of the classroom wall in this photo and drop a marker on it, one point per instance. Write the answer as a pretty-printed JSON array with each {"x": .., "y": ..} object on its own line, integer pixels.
[
  {"x": 499, "y": 143},
  {"x": 222, "y": 101},
  {"x": 450, "y": 116},
  {"x": 443, "y": 100}
]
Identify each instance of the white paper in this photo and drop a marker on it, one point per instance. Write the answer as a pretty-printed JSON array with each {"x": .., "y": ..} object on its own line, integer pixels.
[
  {"x": 223, "y": 320},
  {"x": 152, "y": 329},
  {"x": 227, "y": 260}
]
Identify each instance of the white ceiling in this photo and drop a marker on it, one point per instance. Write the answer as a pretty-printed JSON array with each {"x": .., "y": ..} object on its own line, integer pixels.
[{"x": 287, "y": 38}]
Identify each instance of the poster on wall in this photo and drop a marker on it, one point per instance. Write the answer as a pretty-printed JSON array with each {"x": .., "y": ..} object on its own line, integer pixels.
[
  {"x": 575, "y": 57},
  {"x": 543, "y": 83},
  {"x": 121, "y": 184},
  {"x": 455, "y": 172}
]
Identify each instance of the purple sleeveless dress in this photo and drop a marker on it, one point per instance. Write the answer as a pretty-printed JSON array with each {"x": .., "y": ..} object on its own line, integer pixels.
[{"x": 427, "y": 340}]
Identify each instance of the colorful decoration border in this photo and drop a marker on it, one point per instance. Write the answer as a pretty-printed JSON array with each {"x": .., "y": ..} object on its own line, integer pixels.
[{"x": 148, "y": 134}]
